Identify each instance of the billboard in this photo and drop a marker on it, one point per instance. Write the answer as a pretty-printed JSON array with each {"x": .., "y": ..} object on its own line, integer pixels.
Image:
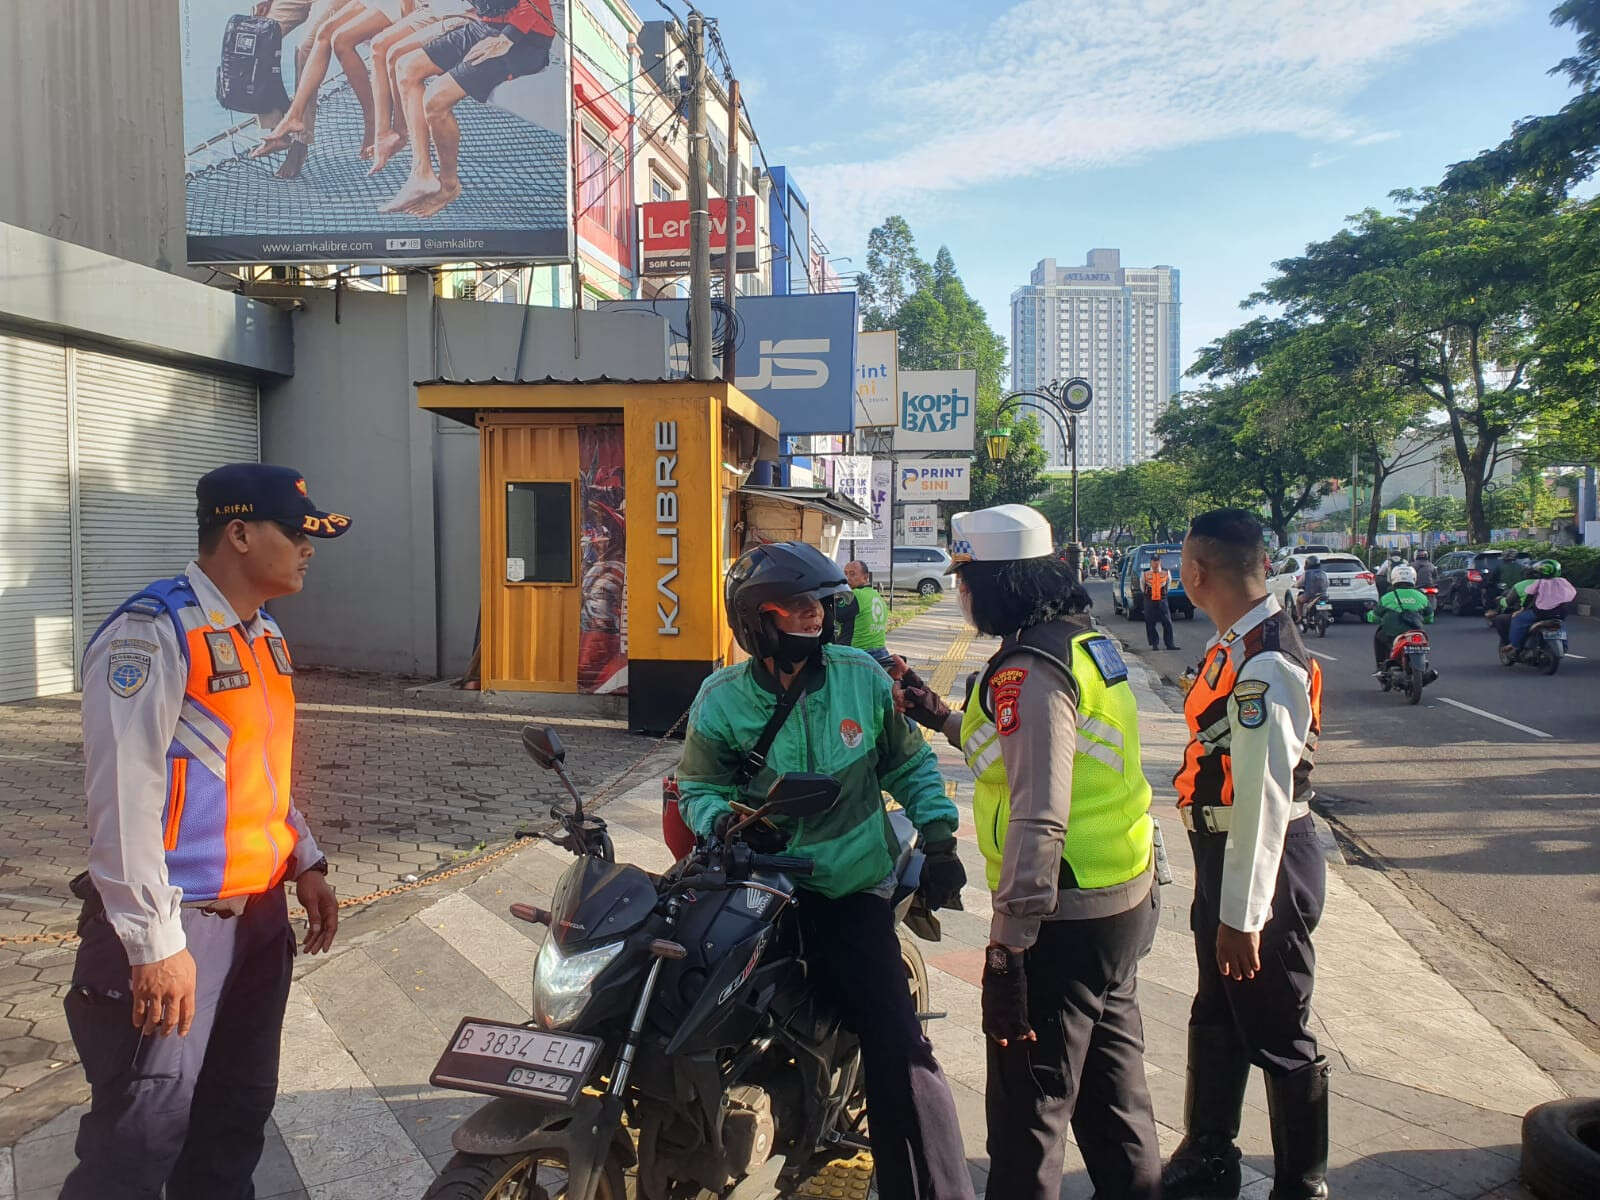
[
  {"x": 877, "y": 367},
  {"x": 664, "y": 236},
  {"x": 292, "y": 160},
  {"x": 852, "y": 478},
  {"x": 796, "y": 355},
  {"x": 875, "y": 550},
  {"x": 938, "y": 410},
  {"x": 922, "y": 524},
  {"x": 933, "y": 479}
]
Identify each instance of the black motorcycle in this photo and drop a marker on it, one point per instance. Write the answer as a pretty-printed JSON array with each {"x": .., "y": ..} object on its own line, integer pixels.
[
  {"x": 1318, "y": 616},
  {"x": 674, "y": 1033},
  {"x": 1406, "y": 669},
  {"x": 1543, "y": 646}
]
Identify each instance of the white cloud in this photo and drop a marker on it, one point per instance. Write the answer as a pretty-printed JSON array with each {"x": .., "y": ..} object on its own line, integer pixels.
[
  {"x": 1323, "y": 159},
  {"x": 1373, "y": 139},
  {"x": 1056, "y": 85}
]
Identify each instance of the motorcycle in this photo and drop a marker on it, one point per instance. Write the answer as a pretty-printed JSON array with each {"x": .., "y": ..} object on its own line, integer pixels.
[
  {"x": 1406, "y": 669},
  {"x": 1544, "y": 646},
  {"x": 680, "y": 1002},
  {"x": 1318, "y": 616}
]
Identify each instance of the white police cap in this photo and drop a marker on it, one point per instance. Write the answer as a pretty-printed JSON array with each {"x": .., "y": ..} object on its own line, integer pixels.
[{"x": 1003, "y": 533}]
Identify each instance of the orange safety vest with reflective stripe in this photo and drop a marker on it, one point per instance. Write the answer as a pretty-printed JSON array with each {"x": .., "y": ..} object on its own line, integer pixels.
[
  {"x": 226, "y": 827},
  {"x": 1206, "y": 777},
  {"x": 1156, "y": 583}
]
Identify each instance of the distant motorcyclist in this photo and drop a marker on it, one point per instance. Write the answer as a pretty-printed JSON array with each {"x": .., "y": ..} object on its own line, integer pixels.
[
  {"x": 1386, "y": 569},
  {"x": 841, "y": 721},
  {"x": 1427, "y": 576},
  {"x": 1401, "y": 609},
  {"x": 1543, "y": 596},
  {"x": 1313, "y": 587}
]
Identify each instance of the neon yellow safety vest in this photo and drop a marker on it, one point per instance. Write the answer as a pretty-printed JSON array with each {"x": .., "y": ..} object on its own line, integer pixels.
[{"x": 1109, "y": 833}]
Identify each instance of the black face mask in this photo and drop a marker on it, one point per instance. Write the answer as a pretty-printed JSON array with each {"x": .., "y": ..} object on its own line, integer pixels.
[{"x": 795, "y": 648}]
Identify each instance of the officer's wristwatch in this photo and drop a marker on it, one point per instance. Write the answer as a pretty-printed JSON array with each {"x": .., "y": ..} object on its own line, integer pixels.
[{"x": 320, "y": 865}]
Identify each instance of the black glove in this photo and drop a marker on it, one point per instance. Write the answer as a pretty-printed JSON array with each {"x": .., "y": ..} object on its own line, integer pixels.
[
  {"x": 943, "y": 876},
  {"x": 725, "y": 822},
  {"x": 924, "y": 706},
  {"x": 1005, "y": 996}
]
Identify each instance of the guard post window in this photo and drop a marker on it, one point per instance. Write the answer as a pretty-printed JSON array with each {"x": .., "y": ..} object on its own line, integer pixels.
[{"x": 539, "y": 533}]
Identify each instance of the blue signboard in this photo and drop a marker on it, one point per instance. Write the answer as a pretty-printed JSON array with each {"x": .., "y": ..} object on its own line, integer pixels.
[{"x": 796, "y": 355}]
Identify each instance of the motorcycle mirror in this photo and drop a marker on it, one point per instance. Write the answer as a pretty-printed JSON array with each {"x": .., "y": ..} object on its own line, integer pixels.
[
  {"x": 544, "y": 746},
  {"x": 802, "y": 795}
]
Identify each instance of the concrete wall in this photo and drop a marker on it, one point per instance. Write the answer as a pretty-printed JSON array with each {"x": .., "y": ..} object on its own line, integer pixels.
[
  {"x": 399, "y": 592},
  {"x": 93, "y": 137}
]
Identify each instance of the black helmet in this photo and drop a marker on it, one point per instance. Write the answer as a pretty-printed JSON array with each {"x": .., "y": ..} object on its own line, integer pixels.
[
  {"x": 1313, "y": 563},
  {"x": 779, "y": 571}
]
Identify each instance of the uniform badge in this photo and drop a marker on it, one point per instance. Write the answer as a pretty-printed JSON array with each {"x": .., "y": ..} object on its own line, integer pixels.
[
  {"x": 224, "y": 652},
  {"x": 1251, "y": 697},
  {"x": 128, "y": 669},
  {"x": 1107, "y": 659},
  {"x": 850, "y": 733},
  {"x": 280, "y": 656},
  {"x": 1006, "y": 689},
  {"x": 1214, "y": 669}
]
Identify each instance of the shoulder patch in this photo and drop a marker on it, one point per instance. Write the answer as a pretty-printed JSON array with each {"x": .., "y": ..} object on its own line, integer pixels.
[
  {"x": 280, "y": 655},
  {"x": 1107, "y": 659},
  {"x": 224, "y": 653},
  {"x": 1251, "y": 697},
  {"x": 127, "y": 670},
  {"x": 1006, "y": 689}
]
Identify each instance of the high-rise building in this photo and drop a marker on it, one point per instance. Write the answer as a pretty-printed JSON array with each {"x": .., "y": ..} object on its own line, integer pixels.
[{"x": 1115, "y": 326}]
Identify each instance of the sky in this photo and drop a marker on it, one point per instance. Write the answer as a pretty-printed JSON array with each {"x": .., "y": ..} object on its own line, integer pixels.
[{"x": 1215, "y": 136}]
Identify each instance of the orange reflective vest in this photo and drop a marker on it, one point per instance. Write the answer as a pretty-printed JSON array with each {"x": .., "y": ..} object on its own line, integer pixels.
[
  {"x": 1206, "y": 777},
  {"x": 226, "y": 825},
  {"x": 1156, "y": 583}
]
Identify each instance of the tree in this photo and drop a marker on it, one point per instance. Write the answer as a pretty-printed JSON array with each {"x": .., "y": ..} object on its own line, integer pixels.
[
  {"x": 895, "y": 271},
  {"x": 1445, "y": 293}
]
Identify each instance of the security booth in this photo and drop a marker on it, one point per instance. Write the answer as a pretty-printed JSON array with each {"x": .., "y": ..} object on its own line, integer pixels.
[{"x": 570, "y": 602}]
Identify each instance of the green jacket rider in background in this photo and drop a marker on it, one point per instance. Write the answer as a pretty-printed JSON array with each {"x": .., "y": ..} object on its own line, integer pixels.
[{"x": 1402, "y": 608}]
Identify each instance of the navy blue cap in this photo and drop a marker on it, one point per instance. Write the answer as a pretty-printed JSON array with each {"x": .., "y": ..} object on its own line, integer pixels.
[{"x": 261, "y": 492}]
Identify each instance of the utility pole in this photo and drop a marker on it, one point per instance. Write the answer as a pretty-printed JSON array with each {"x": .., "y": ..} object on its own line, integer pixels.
[
  {"x": 730, "y": 267},
  {"x": 699, "y": 207},
  {"x": 1355, "y": 495}
]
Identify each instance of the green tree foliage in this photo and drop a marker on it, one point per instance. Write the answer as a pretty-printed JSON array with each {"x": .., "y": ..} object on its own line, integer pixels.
[{"x": 1147, "y": 502}]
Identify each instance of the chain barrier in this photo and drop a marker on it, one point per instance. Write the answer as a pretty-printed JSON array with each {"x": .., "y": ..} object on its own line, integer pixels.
[{"x": 471, "y": 864}]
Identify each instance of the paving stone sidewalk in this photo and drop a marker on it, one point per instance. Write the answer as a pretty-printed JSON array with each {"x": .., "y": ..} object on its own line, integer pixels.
[
  {"x": 396, "y": 781},
  {"x": 1428, "y": 1091}
]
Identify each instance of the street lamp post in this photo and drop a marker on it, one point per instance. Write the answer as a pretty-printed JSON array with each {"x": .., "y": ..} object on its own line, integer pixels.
[{"x": 1062, "y": 401}]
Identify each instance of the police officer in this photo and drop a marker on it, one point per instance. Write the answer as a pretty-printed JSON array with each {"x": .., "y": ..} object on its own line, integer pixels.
[
  {"x": 182, "y": 976},
  {"x": 1061, "y": 808},
  {"x": 1253, "y": 713},
  {"x": 1157, "y": 610}
]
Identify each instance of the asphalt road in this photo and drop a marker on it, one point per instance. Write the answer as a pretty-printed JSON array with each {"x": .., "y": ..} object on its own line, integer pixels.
[{"x": 1484, "y": 796}]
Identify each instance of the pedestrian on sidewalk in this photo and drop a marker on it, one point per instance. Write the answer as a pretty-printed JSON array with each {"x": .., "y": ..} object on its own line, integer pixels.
[
  {"x": 1062, "y": 810},
  {"x": 816, "y": 706},
  {"x": 1157, "y": 608},
  {"x": 864, "y": 617},
  {"x": 1254, "y": 712},
  {"x": 182, "y": 976}
]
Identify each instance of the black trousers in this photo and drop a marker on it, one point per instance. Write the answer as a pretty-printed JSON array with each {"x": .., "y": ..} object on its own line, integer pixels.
[
  {"x": 1270, "y": 1015},
  {"x": 187, "y": 1112},
  {"x": 851, "y": 946},
  {"x": 1086, "y": 1070},
  {"x": 1157, "y": 612}
]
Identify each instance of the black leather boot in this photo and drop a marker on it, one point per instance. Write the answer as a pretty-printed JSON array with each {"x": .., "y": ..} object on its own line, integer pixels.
[
  {"x": 1298, "y": 1105},
  {"x": 1206, "y": 1165}
]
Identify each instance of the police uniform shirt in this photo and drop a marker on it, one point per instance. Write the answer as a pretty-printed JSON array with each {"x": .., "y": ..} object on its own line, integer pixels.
[
  {"x": 1269, "y": 712},
  {"x": 126, "y": 733}
]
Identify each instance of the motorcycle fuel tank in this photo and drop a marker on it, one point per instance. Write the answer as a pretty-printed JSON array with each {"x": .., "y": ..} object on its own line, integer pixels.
[{"x": 598, "y": 901}]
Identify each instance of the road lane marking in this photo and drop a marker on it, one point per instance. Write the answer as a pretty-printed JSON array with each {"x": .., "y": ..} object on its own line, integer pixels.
[
  {"x": 1320, "y": 654},
  {"x": 1494, "y": 717}
]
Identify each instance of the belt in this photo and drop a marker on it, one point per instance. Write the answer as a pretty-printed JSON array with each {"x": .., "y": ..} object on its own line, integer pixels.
[
  {"x": 1218, "y": 818},
  {"x": 233, "y": 906}
]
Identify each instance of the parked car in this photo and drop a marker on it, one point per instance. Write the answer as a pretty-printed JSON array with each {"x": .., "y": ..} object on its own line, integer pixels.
[
  {"x": 1351, "y": 587},
  {"x": 1468, "y": 580},
  {"x": 1127, "y": 596},
  {"x": 924, "y": 569}
]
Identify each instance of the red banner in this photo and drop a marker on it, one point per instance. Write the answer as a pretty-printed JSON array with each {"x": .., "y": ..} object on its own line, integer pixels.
[{"x": 664, "y": 246}]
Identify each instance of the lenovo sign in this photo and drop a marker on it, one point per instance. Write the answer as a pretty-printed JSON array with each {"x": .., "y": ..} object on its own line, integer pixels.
[{"x": 664, "y": 245}]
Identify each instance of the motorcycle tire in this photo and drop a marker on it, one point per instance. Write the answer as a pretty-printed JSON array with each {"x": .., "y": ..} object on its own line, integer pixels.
[
  {"x": 1561, "y": 1150},
  {"x": 1322, "y": 629},
  {"x": 481, "y": 1177},
  {"x": 1414, "y": 689},
  {"x": 1383, "y": 681},
  {"x": 1551, "y": 664}
]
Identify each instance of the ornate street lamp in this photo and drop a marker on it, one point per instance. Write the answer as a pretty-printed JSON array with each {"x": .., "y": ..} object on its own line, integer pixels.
[
  {"x": 1061, "y": 399},
  {"x": 998, "y": 443}
]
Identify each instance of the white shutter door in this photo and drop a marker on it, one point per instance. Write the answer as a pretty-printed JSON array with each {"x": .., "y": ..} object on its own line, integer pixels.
[
  {"x": 146, "y": 433},
  {"x": 36, "y": 651}
]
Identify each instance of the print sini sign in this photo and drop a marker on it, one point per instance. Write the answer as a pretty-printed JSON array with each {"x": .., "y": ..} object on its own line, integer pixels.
[
  {"x": 937, "y": 411},
  {"x": 933, "y": 479}
]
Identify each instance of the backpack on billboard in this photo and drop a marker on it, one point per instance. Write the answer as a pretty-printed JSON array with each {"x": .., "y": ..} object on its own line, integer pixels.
[{"x": 250, "y": 74}]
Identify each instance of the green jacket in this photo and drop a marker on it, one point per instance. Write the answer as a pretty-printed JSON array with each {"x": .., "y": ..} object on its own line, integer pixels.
[
  {"x": 1400, "y": 609},
  {"x": 1515, "y": 598},
  {"x": 845, "y": 725},
  {"x": 872, "y": 620}
]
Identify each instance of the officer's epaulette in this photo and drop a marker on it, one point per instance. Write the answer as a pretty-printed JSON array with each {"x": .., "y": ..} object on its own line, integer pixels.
[
  {"x": 1269, "y": 633},
  {"x": 145, "y": 606}
]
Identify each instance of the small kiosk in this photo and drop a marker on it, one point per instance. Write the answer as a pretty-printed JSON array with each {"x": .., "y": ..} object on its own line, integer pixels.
[{"x": 573, "y": 600}]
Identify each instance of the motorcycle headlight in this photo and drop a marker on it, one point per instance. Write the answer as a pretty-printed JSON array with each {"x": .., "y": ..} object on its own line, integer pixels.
[{"x": 561, "y": 981}]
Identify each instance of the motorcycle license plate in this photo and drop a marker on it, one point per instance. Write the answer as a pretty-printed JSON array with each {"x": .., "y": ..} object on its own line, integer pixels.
[
  {"x": 500, "y": 1059},
  {"x": 1324, "y": 606}
]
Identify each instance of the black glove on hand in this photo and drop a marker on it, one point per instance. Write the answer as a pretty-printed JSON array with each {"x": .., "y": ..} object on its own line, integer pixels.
[
  {"x": 1005, "y": 997},
  {"x": 719, "y": 831},
  {"x": 925, "y": 707},
  {"x": 943, "y": 876}
]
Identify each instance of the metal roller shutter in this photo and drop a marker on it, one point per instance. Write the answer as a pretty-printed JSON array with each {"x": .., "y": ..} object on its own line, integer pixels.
[
  {"x": 146, "y": 432},
  {"x": 36, "y": 642}
]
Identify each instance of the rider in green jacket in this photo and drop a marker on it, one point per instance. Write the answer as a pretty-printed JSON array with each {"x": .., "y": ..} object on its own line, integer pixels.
[
  {"x": 780, "y": 602},
  {"x": 1403, "y": 607}
]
